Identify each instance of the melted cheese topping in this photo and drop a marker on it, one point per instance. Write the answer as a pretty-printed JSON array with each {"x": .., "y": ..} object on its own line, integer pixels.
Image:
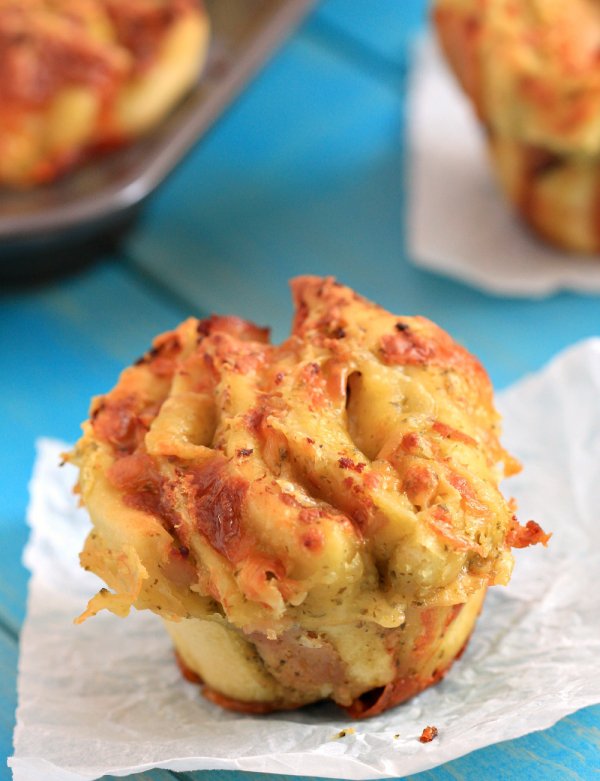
[
  {"x": 531, "y": 67},
  {"x": 349, "y": 474}
]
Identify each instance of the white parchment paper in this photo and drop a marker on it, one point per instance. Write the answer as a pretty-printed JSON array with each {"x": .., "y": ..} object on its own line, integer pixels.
[
  {"x": 459, "y": 223},
  {"x": 106, "y": 697}
]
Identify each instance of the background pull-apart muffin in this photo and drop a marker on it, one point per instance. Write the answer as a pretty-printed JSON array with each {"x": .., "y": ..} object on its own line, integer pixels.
[
  {"x": 532, "y": 70},
  {"x": 318, "y": 519},
  {"x": 80, "y": 76}
]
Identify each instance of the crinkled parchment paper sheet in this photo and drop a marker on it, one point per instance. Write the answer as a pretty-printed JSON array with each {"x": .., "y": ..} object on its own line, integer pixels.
[
  {"x": 459, "y": 223},
  {"x": 106, "y": 697}
]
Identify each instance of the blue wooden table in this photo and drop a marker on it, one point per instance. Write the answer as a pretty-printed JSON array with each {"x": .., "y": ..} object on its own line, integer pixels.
[{"x": 305, "y": 173}]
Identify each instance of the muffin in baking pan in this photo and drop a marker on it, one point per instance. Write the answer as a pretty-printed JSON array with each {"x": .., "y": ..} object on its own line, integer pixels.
[
  {"x": 316, "y": 519},
  {"x": 532, "y": 72},
  {"x": 83, "y": 76}
]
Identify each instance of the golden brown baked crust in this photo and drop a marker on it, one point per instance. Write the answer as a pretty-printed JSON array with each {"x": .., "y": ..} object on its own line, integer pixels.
[
  {"x": 316, "y": 519},
  {"x": 79, "y": 76},
  {"x": 533, "y": 73}
]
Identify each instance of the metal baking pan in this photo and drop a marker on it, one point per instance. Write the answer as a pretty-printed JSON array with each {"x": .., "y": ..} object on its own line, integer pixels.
[{"x": 91, "y": 207}]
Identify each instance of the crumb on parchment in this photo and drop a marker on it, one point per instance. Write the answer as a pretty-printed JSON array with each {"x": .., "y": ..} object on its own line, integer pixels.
[
  {"x": 343, "y": 732},
  {"x": 428, "y": 734}
]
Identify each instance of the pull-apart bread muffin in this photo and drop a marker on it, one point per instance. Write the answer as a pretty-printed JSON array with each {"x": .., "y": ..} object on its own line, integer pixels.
[
  {"x": 532, "y": 71},
  {"x": 319, "y": 519},
  {"x": 79, "y": 76}
]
